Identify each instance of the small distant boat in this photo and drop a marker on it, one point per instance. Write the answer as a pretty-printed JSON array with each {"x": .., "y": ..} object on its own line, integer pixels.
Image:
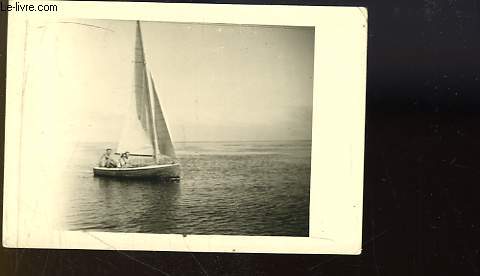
[{"x": 145, "y": 134}]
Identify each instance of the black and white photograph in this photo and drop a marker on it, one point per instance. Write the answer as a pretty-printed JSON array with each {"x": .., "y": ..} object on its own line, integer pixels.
[
  {"x": 199, "y": 129},
  {"x": 141, "y": 126}
]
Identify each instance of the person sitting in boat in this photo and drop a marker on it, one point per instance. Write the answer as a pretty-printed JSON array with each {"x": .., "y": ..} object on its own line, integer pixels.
[
  {"x": 123, "y": 161},
  {"x": 107, "y": 160}
]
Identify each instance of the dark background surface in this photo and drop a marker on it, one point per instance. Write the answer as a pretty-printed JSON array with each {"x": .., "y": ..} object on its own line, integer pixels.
[{"x": 421, "y": 210}]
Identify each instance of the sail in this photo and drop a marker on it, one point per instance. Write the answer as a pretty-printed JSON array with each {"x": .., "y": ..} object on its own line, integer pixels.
[
  {"x": 165, "y": 145},
  {"x": 136, "y": 133},
  {"x": 145, "y": 131},
  {"x": 133, "y": 137}
]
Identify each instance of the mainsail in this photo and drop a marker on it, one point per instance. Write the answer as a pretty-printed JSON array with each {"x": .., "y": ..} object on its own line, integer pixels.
[{"x": 145, "y": 131}]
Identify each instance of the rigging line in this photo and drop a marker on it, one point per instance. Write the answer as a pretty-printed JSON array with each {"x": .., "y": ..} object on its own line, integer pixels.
[{"x": 87, "y": 25}]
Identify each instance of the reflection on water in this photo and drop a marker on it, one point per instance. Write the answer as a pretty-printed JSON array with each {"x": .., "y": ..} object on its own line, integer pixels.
[{"x": 226, "y": 188}]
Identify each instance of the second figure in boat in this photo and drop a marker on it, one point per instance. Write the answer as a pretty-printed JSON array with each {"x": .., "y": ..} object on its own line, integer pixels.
[{"x": 123, "y": 160}]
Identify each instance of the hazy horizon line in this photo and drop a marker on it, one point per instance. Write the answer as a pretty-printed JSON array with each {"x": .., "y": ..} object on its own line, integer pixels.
[{"x": 221, "y": 141}]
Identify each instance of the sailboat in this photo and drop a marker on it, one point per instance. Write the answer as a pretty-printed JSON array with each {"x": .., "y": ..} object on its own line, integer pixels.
[{"x": 145, "y": 134}]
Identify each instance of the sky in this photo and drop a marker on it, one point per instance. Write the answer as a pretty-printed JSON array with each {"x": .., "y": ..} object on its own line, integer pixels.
[{"x": 215, "y": 82}]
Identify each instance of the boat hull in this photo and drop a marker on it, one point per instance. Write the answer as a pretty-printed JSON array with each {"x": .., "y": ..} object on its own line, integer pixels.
[{"x": 151, "y": 171}]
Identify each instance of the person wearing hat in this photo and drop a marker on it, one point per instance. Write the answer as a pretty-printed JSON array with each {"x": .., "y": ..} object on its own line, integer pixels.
[{"x": 107, "y": 159}]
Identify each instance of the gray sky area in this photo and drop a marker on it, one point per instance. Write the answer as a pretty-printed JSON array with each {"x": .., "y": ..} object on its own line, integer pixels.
[{"x": 215, "y": 82}]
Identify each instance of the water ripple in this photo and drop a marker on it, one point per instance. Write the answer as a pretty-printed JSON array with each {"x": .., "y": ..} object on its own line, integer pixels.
[{"x": 226, "y": 188}]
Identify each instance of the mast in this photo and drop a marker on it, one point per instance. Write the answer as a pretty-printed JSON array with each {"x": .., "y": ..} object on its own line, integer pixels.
[
  {"x": 145, "y": 130},
  {"x": 149, "y": 97}
]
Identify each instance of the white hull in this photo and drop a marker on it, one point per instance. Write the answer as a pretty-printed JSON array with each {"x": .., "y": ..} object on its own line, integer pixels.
[{"x": 152, "y": 171}]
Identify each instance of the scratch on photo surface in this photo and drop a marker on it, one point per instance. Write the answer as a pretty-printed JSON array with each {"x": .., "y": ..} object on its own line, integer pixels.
[
  {"x": 322, "y": 263},
  {"x": 107, "y": 262},
  {"x": 367, "y": 242},
  {"x": 376, "y": 237},
  {"x": 461, "y": 166},
  {"x": 127, "y": 255},
  {"x": 18, "y": 259},
  {"x": 373, "y": 246},
  {"x": 452, "y": 161},
  {"x": 473, "y": 264},
  {"x": 193, "y": 255},
  {"x": 45, "y": 264},
  {"x": 363, "y": 13},
  {"x": 322, "y": 238},
  {"x": 68, "y": 263},
  {"x": 199, "y": 264},
  {"x": 87, "y": 25}
]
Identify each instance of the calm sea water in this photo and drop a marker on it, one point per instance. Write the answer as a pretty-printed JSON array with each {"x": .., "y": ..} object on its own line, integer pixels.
[{"x": 227, "y": 188}]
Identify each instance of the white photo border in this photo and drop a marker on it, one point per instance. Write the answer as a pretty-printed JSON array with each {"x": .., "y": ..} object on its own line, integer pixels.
[{"x": 336, "y": 191}]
